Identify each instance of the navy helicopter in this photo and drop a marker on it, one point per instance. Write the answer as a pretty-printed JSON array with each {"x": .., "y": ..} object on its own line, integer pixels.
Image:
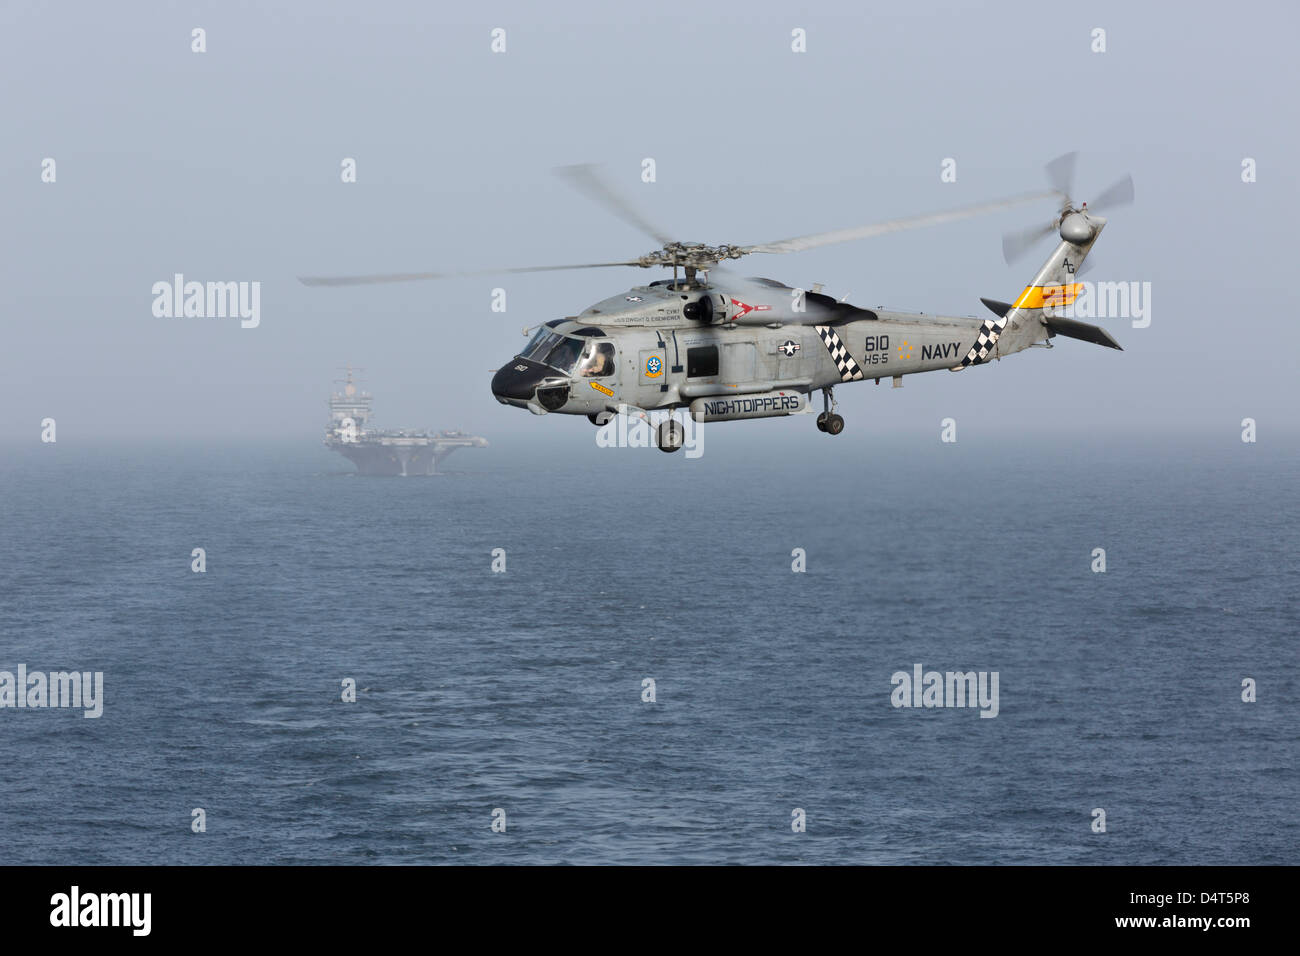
[{"x": 727, "y": 348}]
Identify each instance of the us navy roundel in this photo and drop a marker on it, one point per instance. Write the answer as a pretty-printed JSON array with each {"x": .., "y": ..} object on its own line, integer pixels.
[{"x": 789, "y": 347}]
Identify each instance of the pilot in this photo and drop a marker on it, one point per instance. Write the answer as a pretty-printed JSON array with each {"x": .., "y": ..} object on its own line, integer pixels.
[{"x": 597, "y": 366}]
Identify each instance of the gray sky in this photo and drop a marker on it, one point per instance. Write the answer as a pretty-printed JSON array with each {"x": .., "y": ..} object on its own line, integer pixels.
[{"x": 225, "y": 166}]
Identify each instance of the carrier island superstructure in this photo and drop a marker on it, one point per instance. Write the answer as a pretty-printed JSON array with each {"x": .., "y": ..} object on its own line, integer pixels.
[{"x": 394, "y": 452}]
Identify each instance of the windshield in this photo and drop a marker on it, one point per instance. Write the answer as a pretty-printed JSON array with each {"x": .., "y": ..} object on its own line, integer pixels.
[
  {"x": 563, "y": 352},
  {"x": 542, "y": 343},
  {"x": 564, "y": 355},
  {"x": 572, "y": 355}
]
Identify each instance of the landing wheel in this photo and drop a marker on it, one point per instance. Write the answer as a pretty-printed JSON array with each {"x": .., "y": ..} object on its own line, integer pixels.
[
  {"x": 821, "y": 421},
  {"x": 671, "y": 435},
  {"x": 834, "y": 425},
  {"x": 599, "y": 418}
]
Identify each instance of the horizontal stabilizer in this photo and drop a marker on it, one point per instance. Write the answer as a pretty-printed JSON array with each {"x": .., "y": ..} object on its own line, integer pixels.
[
  {"x": 1072, "y": 329},
  {"x": 997, "y": 308}
]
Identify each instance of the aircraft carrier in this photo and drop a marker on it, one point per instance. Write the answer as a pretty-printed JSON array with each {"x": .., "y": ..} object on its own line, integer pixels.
[{"x": 397, "y": 452}]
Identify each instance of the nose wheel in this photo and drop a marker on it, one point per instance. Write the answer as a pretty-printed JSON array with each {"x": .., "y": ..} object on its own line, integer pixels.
[{"x": 828, "y": 421}]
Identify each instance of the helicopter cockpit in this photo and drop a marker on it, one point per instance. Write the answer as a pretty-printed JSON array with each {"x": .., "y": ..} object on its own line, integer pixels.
[
  {"x": 538, "y": 373},
  {"x": 571, "y": 354}
]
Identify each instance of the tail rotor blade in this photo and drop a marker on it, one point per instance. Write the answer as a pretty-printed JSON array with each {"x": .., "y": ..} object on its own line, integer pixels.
[
  {"x": 1119, "y": 193},
  {"x": 1060, "y": 173},
  {"x": 1016, "y": 244}
]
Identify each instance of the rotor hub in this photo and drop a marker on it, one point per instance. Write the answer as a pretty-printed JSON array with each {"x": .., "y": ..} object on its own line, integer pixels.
[
  {"x": 1076, "y": 228},
  {"x": 690, "y": 255}
]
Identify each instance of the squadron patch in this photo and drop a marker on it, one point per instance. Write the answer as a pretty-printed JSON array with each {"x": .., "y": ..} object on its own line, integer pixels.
[{"x": 849, "y": 369}]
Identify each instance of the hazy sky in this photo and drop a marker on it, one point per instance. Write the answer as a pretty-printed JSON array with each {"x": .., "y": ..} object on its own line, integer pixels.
[{"x": 225, "y": 166}]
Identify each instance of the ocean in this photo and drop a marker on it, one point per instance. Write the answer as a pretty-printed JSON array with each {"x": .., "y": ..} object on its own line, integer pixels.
[{"x": 521, "y": 697}]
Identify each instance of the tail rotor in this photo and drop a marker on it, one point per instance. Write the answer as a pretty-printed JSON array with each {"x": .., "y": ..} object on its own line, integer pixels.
[{"x": 1072, "y": 221}]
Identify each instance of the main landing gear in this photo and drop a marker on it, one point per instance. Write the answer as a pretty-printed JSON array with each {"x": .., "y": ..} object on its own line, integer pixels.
[
  {"x": 671, "y": 435},
  {"x": 828, "y": 421}
]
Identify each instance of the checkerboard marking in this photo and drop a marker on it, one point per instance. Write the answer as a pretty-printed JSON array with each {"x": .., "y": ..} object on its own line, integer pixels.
[
  {"x": 849, "y": 369},
  {"x": 985, "y": 341}
]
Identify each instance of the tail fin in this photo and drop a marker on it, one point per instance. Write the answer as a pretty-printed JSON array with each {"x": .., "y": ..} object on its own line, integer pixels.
[{"x": 1052, "y": 287}]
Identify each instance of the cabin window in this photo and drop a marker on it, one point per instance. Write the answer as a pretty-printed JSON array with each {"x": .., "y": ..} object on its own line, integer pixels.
[{"x": 702, "y": 361}]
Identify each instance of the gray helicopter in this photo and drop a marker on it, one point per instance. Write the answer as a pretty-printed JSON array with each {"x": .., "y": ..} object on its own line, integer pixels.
[{"x": 728, "y": 348}]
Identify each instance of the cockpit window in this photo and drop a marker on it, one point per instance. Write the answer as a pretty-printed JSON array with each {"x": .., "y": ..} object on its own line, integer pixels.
[
  {"x": 597, "y": 360},
  {"x": 569, "y": 353},
  {"x": 532, "y": 343},
  {"x": 541, "y": 344},
  {"x": 565, "y": 354}
]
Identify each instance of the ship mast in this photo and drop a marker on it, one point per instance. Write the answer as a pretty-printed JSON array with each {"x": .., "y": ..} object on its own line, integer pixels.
[{"x": 349, "y": 409}]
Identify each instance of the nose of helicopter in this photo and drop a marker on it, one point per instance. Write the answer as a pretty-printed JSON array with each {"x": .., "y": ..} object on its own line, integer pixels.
[{"x": 516, "y": 383}]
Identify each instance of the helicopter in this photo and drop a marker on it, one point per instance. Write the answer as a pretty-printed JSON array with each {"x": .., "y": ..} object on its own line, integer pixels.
[{"x": 728, "y": 348}]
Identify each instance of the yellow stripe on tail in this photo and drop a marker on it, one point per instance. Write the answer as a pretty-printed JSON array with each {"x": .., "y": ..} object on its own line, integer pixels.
[{"x": 1048, "y": 296}]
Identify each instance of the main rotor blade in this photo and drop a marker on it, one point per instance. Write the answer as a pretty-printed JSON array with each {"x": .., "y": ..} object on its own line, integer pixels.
[
  {"x": 800, "y": 243},
  {"x": 368, "y": 280},
  {"x": 1016, "y": 244},
  {"x": 1119, "y": 193},
  {"x": 420, "y": 276},
  {"x": 584, "y": 178}
]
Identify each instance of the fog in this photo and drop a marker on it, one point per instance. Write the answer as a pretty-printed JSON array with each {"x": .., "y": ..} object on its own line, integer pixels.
[{"x": 225, "y": 166}]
